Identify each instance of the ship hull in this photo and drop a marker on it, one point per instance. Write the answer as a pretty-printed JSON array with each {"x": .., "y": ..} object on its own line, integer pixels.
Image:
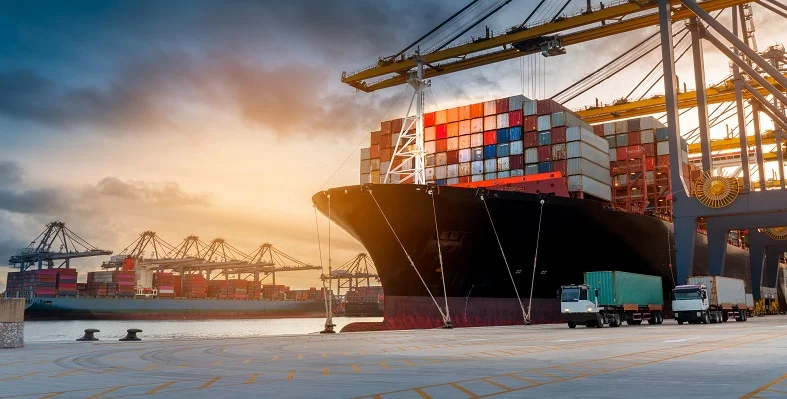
[
  {"x": 167, "y": 309},
  {"x": 575, "y": 236}
]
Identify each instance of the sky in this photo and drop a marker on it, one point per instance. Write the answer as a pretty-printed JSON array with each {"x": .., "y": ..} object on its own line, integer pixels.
[{"x": 223, "y": 118}]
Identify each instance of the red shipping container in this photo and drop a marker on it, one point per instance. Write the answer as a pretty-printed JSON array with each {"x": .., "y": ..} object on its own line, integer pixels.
[
  {"x": 375, "y": 138},
  {"x": 385, "y": 141},
  {"x": 558, "y": 135},
  {"x": 490, "y": 137},
  {"x": 622, "y": 153},
  {"x": 441, "y": 132},
  {"x": 374, "y": 151},
  {"x": 515, "y": 118},
  {"x": 650, "y": 164},
  {"x": 452, "y": 115},
  {"x": 501, "y": 105},
  {"x": 385, "y": 127},
  {"x": 429, "y": 119},
  {"x": 598, "y": 130},
  {"x": 544, "y": 153},
  {"x": 530, "y": 123},
  {"x": 547, "y": 107},
  {"x": 464, "y": 113},
  {"x": 531, "y": 139},
  {"x": 441, "y": 145},
  {"x": 560, "y": 166},
  {"x": 477, "y": 110},
  {"x": 634, "y": 138},
  {"x": 649, "y": 150},
  {"x": 385, "y": 154},
  {"x": 396, "y": 125},
  {"x": 452, "y": 157},
  {"x": 516, "y": 162},
  {"x": 662, "y": 160},
  {"x": 464, "y": 179}
]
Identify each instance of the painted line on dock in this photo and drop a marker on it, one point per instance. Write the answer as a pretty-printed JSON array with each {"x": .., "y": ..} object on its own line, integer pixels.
[
  {"x": 247, "y": 361},
  {"x": 209, "y": 383},
  {"x": 765, "y": 387},
  {"x": 251, "y": 379},
  {"x": 102, "y": 393},
  {"x": 326, "y": 371},
  {"x": 217, "y": 363},
  {"x": 291, "y": 375},
  {"x": 679, "y": 340},
  {"x": 51, "y": 395},
  {"x": 577, "y": 339},
  {"x": 160, "y": 387},
  {"x": 20, "y": 376}
]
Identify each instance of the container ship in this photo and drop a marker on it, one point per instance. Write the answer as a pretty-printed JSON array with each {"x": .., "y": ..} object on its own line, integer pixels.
[{"x": 606, "y": 206}]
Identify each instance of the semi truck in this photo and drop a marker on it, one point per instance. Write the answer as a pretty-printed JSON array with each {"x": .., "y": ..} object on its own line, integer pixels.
[
  {"x": 612, "y": 297},
  {"x": 709, "y": 299}
]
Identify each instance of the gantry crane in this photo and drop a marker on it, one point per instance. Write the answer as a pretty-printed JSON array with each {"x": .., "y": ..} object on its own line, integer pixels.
[
  {"x": 352, "y": 274},
  {"x": 56, "y": 243}
]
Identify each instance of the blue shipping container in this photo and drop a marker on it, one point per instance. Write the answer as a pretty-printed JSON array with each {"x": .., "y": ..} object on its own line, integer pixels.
[
  {"x": 517, "y": 172},
  {"x": 544, "y": 138},
  {"x": 515, "y": 148},
  {"x": 611, "y": 140},
  {"x": 544, "y": 167},
  {"x": 440, "y": 182},
  {"x": 622, "y": 140},
  {"x": 490, "y": 176},
  {"x": 490, "y": 151},
  {"x": 503, "y": 175},
  {"x": 661, "y": 134},
  {"x": 502, "y": 135},
  {"x": 502, "y": 150},
  {"x": 514, "y": 133}
]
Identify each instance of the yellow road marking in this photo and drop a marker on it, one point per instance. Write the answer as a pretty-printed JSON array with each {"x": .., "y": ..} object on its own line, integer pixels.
[
  {"x": 409, "y": 363},
  {"x": 421, "y": 393},
  {"x": 300, "y": 356},
  {"x": 385, "y": 366},
  {"x": 764, "y": 387},
  {"x": 252, "y": 378},
  {"x": 463, "y": 389},
  {"x": 275, "y": 358},
  {"x": 65, "y": 373},
  {"x": 51, "y": 395},
  {"x": 365, "y": 352},
  {"x": 291, "y": 375},
  {"x": 218, "y": 362},
  {"x": 152, "y": 366},
  {"x": 98, "y": 395},
  {"x": 324, "y": 354},
  {"x": 346, "y": 354},
  {"x": 356, "y": 368},
  {"x": 158, "y": 388},
  {"x": 325, "y": 371},
  {"x": 209, "y": 383},
  {"x": 497, "y": 384},
  {"x": 20, "y": 376},
  {"x": 247, "y": 361},
  {"x": 184, "y": 365}
]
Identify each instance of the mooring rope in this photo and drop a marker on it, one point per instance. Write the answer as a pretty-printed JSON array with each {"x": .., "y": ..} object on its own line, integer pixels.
[
  {"x": 535, "y": 260},
  {"x": 516, "y": 291},
  {"x": 447, "y": 318},
  {"x": 322, "y": 267},
  {"x": 408, "y": 256}
]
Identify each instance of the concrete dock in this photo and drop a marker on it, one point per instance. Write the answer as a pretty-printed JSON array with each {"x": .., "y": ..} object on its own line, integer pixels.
[{"x": 730, "y": 360}]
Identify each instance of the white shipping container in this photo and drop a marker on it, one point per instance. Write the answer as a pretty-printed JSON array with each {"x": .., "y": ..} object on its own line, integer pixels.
[
  {"x": 429, "y": 147},
  {"x": 440, "y": 172},
  {"x": 477, "y": 125},
  {"x": 477, "y": 178},
  {"x": 684, "y": 156},
  {"x": 452, "y": 180},
  {"x": 579, "y": 149},
  {"x": 477, "y": 167},
  {"x": 366, "y": 179},
  {"x": 515, "y": 102},
  {"x": 453, "y": 170},
  {"x": 407, "y": 164},
  {"x": 429, "y": 160},
  {"x": 544, "y": 122},
  {"x": 576, "y": 133},
  {"x": 516, "y": 147},
  {"x": 464, "y": 128},
  {"x": 452, "y": 143},
  {"x": 621, "y": 127},
  {"x": 647, "y": 136},
  {"x": 441, "y": 159},
  {"x": 531, "y": 169},
  {"x": 489, "y": 107},
  {"x": 649, "y": 122},
  {"x": 503, "y": 175},
  {"x": 465, "y": 169},
  {"x": 517, "y": 172},
  {"x": 530, "y": 107},
  {"x": 662, "y": 148},
  {"x": 384, "y": 166},
  {"x": 429, "y": 173},
  {"x": 502, "y": 121},
  {"x": 722, "y": 291},
  {"x": 613, "y": 156},
  {"x": 366, "y": 153},
  {"x": 375, "y": 164},
  {"x": 531, "y": 155},
  {"x": 589, "y": 186},
  {"x": 502, "y": 164},
  {"x": 558, "y": 119},
  {"x": 465, "y": 155},
  {"x": 490, "y": 176},
  {"x": 579, "y": 166},
  {"x": 366, "y": 166},
  {"x": 464, "y": 142},
  {"x": 477, "y": 140},
  {"x": 490, "y": 165},
  {"x": 394, "y": 139},
  {"x": 571, "y": 120},
  {"x": 609, "y": 129}
]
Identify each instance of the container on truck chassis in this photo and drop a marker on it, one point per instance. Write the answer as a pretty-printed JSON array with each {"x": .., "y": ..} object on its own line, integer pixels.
[
  {"x": 612, "y": 297},
  {"x": 709, "y": 299}
]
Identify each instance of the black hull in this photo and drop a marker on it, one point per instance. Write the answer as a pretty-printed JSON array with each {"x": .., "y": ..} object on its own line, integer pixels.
[{"x": 576, "y": 236}]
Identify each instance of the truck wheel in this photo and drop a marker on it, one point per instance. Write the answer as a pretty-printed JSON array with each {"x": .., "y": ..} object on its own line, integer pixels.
[
  {"x": 660, "y": 318},
  {"x": 680, "y": 322},
  {"x": 652, "y": 319},
  {"x": 599, "y": 321},
  {"x": 705, "y": 318},
  {"x": 615, "y": 321},
  {"x": 745, "y": 316},
  {"x": 571, "y": 324},
  {"x": 724, "y": 316}
]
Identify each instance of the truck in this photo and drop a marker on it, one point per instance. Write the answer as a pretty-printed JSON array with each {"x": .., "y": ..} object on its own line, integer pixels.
[
  {"x": 709, "y": 299},
  {"x": 613, "y": 297}
]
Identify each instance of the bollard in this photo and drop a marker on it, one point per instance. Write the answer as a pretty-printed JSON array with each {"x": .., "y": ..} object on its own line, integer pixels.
[
  {"x": 12, "y": 322},
  {"x": 132, "y": 335},
  {"x": 89, "y": 335}
]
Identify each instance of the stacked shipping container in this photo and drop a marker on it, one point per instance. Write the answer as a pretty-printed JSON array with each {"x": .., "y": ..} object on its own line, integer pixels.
[
  {"x": 66, "y": 282},
  {"x": 41, "y": 283},
  {"x": 164, "y": 282},
  {"x": 497, "y": 139},
  {"x": 194, "y": 286},
  {"x": 276, "y": 292}
]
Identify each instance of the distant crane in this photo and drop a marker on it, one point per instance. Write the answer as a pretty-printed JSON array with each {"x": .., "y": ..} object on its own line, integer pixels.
[
  {"x": 357, "y": 270},
  {"x": 69, "y": 246},
  {"x": 274, "y": 261}
]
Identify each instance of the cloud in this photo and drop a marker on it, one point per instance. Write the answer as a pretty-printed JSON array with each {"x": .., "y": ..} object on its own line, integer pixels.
[
  {"x": 167, "y": 193},
  {"x": 10, "y": 173}
]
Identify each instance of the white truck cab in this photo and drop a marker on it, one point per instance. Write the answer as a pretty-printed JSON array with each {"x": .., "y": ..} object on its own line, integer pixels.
[
  {"x": 579, "y": 305},
  {"x": 690, "y": 304}
]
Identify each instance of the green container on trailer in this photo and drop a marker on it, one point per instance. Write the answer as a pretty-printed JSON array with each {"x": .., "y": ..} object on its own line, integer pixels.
[{"x": 621, "y": 288}]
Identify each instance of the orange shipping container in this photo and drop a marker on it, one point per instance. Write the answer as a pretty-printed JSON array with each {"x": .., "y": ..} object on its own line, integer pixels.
[
  {"x": 374, "y": 151},
  {"x": 452, "y": 143},
  {"x": 440, "y": 117},
  {"x": 385, "y": 127},
  {"x": 464, "y": 128},
  {"x": 453, "y": 129},
  {"x": 490, "y": 122},
  {"x": 477, "y": 125},
  {"x": 396, "y": 125},
  {"x": 476, "y": 110},
  {"x": 375, "y": 139},
  {"x": 429, "y": 133},
  {"x": 464, "y": 113},
  {"x": 452, "y": 115}
]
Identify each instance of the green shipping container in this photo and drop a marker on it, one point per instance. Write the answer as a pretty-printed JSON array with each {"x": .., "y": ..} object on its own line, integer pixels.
[{"x": 619, "y": 288}]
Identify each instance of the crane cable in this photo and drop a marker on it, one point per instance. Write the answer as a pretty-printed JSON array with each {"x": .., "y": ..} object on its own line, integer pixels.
[
  {"x": 535, "y": 261},
  {"x": 447, "y": 319},
  {"x": 322, "y": 267},
  {"x": 442, "y": 314},
  {"x": 525, "y": 315}
]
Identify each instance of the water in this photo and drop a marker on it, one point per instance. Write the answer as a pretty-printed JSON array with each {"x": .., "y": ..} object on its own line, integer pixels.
[{"x": 53, "y": 331}]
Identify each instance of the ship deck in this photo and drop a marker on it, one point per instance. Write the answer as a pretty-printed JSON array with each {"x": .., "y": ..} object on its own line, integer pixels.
[{"x": 717, "y": 360}]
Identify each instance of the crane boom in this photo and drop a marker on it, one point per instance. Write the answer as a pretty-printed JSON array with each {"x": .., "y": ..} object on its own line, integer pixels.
[{"x": 519, "y": 42}]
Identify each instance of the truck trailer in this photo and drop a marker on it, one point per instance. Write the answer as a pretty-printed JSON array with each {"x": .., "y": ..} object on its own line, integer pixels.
[
  {"x": 612, "y": 297},
  {"x": 709, "y": 299}
]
